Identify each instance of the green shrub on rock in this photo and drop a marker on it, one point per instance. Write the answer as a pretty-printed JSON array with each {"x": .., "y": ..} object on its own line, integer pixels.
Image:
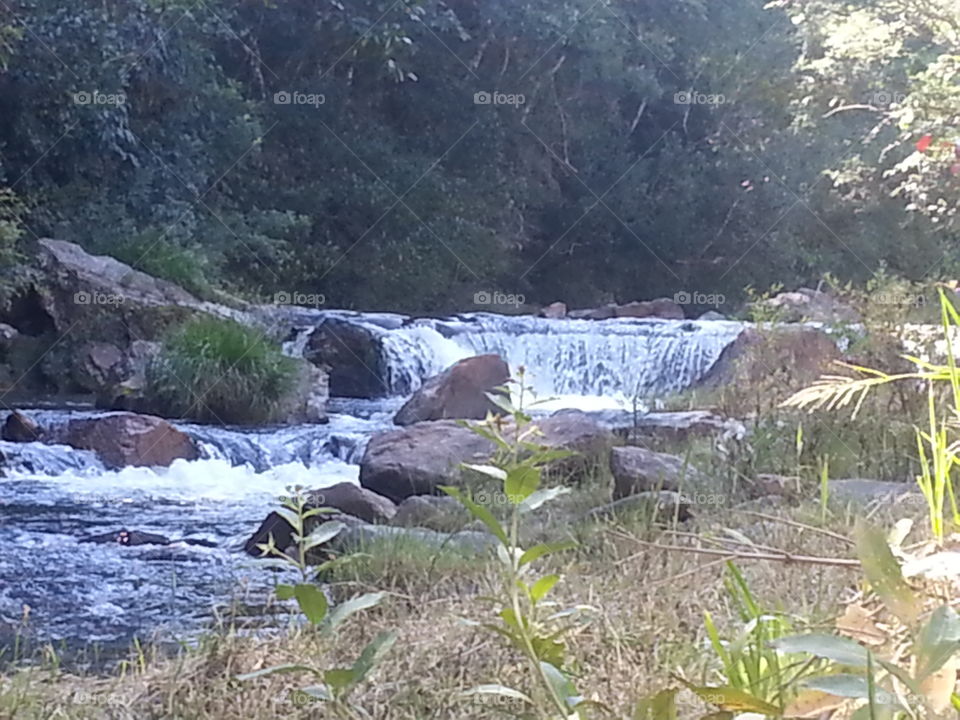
[{"x": 217, "y": 370}]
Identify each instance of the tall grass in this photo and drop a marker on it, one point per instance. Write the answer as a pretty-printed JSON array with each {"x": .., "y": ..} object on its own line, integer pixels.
[{"x": 216, "y": 370}]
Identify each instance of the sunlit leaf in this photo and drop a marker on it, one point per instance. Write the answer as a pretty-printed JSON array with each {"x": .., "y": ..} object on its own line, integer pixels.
[
  {"x": 849, "y": 686},
  {"x": 662, "y": 706},
  {"x": 884, "y": 573},
  {"x": 312, "y": 602},
  {"x": 538, "y": 551},
  {"x": 830, "y": 647},
  {"x": 521, "y": 482},
  {"x": 354, "y": 605}
]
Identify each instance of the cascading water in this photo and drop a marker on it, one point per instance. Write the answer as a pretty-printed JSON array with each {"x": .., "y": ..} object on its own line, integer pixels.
[{"x": 52, "y": 496}]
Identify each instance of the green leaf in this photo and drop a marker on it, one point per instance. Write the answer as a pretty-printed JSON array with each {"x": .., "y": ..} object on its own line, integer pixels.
[
  {"x": 488, "y": 470},
  {"x": 831, "y": 647},
  {"x": 560, "y": 683},
  {"x": 284, "y": 591},
  {"x": 317, "y": 692},
  {"x": 371, "y": 656},
  {"x": 884, "y": 573},
  {"x": 312, "y": 602},
  {"x": 539, "y": 497},
  {"x": 937, "y": 641},
  {"x": 522, "y": 481},
  {"x": 538, "y": 551},
  {"x": 481, "y": 513},
  {"x": 323, "y": 533},
  {"x": 277, "y": 669},
  {"x": 850, "y": 686},
  {"x": 291, "y": 517},
  {"x": 345, "y": 609},
  {"x": 541, "y": 587},
  {"x": 502, "y": 401},
  {"x": 494, "y": 689},
  {"x": 662, "y": 706},
  {"x": 730, "y": 698},
  {"x": 339, "y": 678}
]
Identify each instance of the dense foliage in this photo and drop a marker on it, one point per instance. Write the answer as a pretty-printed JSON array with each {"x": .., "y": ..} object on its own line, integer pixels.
[{"x": 630, "y": 149}]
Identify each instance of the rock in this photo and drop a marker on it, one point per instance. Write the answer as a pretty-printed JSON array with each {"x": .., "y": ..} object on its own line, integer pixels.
[
  {"x": 579, "y": 433},
  {"x": 99, "y": 365},
  {"x": 20, "y": 428},
  {"x": 809, "y": 305},
  {"x": 414, "y": 460},
  {"x": 601, "y": 313},
  {"x": 354, "y": 500},
  {"x": 860, "y": 491},
  {"x": 636, "y": 470},
  {"x": 554, "y": 311},
  {"x": 772, "y": 485},
  {"x": 308, "y": 403},
  {"x": 663, "y": 505},
  {"x": 125, "y": 439},
  {"x": 352, "y": 355},
  {"x": 664, "y": 308},
  {"x": 460, "y": 391},
  {"x": 127, "y": 537},
  {"x": 361, "y": 537},
  {"x": 677, "y": 426},
  {"x": 435, "y": 512},
  {"x": 711, "y": 315},
  {"x": 8, "y": 334},
  {"x": 791, "y": 357},
  {"x": 276, "y": 526}
]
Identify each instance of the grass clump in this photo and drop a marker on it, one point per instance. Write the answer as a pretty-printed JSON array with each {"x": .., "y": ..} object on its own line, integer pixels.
[{"x": 216, "y": 370}]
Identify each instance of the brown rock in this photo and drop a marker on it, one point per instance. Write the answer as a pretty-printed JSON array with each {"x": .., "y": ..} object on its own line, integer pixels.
[
  {"x": 460, "y": 391},
  {"x": 604, "y": 312},
  {"x": 554, "y": 311},
  {"x": 806, "y": 304},
  {"x": 20, "y": 428},
  {"x": 414, "y": 460},
  {"x": 354, "y": 500},
  {"x": 636, "y": 470},
  {"x": 660, "y": 308},
  {"x": 126, "y": 439}
]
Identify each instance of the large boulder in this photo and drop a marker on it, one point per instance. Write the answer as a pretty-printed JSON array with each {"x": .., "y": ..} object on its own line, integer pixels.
[
  {"x": 805, "y": 305},
  {"x": 20, "y": 428},
  {"x": 350, "y": 498},
  {"x": 637, "y": 470},
  {"x": 415, "y": 460},
  {"x": 554, "y": 311},
  {"x": 789, "y": 356},
  {"x": 125, "y": 439},
  {"x": 460, "y": 391},
  {"x": 575, "y": 431},
  {"x": 351, "y": 353}
]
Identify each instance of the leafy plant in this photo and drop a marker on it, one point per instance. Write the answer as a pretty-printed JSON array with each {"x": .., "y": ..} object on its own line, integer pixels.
[
  {"x": 212, "y": 369},
  {"x": 530, "y": 623},
  {"x": 336, "y": 684}
]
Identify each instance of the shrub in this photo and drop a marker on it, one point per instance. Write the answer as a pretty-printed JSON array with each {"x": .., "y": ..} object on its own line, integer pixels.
[{"x": 216, "y": 370}]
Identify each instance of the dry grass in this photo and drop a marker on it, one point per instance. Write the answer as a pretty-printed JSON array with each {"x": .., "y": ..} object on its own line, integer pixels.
[{"x": 647, "y": 622}]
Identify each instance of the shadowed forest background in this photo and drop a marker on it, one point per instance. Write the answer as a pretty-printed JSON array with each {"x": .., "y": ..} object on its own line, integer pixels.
[{"x": 658, "y": 147}]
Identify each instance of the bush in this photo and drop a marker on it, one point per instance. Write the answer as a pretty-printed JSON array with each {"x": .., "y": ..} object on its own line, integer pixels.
[{"x": 216, "y": 370}]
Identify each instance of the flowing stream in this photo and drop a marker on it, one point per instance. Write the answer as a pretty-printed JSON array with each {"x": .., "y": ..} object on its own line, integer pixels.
[{"x": 55, "y": 587}]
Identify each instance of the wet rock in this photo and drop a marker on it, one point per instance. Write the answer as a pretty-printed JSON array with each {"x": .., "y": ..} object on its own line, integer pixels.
[
  {"x": 20, "y": 428},
  {"x": 351, "y": 354},
  {"x": 127, "y": 537},
  {"x": 554, "y": 311},
  {"x": 126, "y": 439},
  {"x": 604, "y": 312},
  {"x": 636, "y": 470},
  {"x": 662, "y": 505},
  {"x": 276, "y": 526},
  {"x": 414, "y": 460},
  {"x": 712, "y": 315},
  {"x": 308, "y": 402},
  {"x": 460, "y": 391},
  {"x": 664, "y": 308},
  {"x": 354, "y": 500}
]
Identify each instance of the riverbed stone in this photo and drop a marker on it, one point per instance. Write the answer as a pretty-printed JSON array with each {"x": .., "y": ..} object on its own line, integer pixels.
[
  {"x": 125, "y": 439},
  {"x": 360, "y": 537},
  {"x": 554, "y": 311},
  {"x": 20, "y": 428},
  {"x": 350, "y": 498},
  {"x": 636, "y": 470},
  {"x": 460, "y": 391},
  {"x": 351, "y": 355}
]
